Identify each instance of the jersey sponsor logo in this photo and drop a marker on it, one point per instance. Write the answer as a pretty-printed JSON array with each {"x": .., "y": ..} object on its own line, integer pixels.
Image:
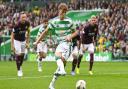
[
  {"x": 26, "y": 27},
  {"x": 22, "y": 32},
  {"x": 95, "y": 29},
  {"x": 91, "y": 34}
]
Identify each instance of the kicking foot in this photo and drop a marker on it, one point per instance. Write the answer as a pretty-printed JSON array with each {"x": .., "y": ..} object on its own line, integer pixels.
[
  {"x": 39, "y": 69},
  {"x": 73, "y": 73},
  {"x": 19, "y": 73},
  {"x": 77, "y": 71}
]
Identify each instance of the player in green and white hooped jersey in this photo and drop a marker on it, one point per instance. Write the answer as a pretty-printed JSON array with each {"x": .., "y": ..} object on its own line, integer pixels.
[
  {"x": 64, "y": 31},
  {"x": 41, "y": 46}
]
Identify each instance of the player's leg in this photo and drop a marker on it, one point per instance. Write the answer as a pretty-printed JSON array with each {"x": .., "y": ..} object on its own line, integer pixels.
[
  {"x": 55, "y": 77},
  {"x": 22, "y": 59},
  {"x": 42, "y": 51},
  {"x": 80, "y": 56},
  {"x": 22, "y": 53},
  {"x": 61, "y": 54},
  {"x": 91, "y": 51},
  {"x": 23, "y": 48},
  {"x": 19, "y": 55},
  {"x": 52, "y": 83},
  {"x": 17, "y": 46},
  {"x": 78, "y": 63},
  {"x": 19, "y": 62},
  {"x": 60, "y": 63},
  {"x": 74, "y": 62},
  {"x": 40, "y": 56},
  {"x": 58, "y": 70}
]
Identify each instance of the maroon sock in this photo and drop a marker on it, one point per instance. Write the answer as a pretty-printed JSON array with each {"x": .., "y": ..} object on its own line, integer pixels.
[
  {"x": 74, "y": 62},
  {"x": 21, "y": 59},
  {"x": 91, "y": 61},
  {"x": 18, "y": 62},
  {"x": 79, "y": 61}
]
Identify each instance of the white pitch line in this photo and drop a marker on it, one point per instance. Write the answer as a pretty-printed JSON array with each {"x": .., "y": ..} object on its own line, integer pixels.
[
  {"x": 15, "y": 78},
  {"x": 49, "y": 76}
]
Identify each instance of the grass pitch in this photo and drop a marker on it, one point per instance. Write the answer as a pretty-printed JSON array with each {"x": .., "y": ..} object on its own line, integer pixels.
[{"x": 107, "y": 75}]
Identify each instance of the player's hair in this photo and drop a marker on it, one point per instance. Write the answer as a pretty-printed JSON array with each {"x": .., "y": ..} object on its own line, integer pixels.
[
  {"x": 21, "y": 13},
  {"x": 93, "y": 16},
  {"x": 63, "y": 7}
]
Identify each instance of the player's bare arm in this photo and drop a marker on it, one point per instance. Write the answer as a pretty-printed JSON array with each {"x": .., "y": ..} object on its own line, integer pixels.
[
  {"x": 72, "y": 36},
  {"x": 41, "y": 36},
  {"x": 79, "y": 43},
  {"x": 12, "y": 42},
  {"x": 27, "y": 38}
]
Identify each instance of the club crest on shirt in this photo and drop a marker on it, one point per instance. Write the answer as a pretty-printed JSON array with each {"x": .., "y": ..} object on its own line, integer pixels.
[
  {"x": 95, "y": 29},
  {"x": 19, "y": 28},
  {"x": 62, "y": 32},
  {"x": 26, "y": 27}
]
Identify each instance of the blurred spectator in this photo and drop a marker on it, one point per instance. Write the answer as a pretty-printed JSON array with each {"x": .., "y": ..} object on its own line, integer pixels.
[
  {"x": 113, "y": 24},
  {"x": 36, "y": 11}
]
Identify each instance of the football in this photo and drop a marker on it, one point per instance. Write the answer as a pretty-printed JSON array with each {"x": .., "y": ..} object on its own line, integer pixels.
[{"x": 80, "y": 84}]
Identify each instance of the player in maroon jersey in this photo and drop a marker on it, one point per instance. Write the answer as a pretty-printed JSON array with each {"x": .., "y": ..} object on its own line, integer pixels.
[
  {"x": 88, "y": 38},
  {"x": 20, "y": 40}
]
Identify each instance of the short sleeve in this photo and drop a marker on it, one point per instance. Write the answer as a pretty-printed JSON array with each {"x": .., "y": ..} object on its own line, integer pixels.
[
  {"x": 41, "y": 29},
  {"x": 51, "y": 25}
]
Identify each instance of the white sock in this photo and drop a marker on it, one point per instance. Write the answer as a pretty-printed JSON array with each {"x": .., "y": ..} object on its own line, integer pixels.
[
  {"x": 37, "y": 58},
  {"x": 39, "y": 63},
  {"x": 60, "y": 65},
  {"x": 53, "y": 80}
]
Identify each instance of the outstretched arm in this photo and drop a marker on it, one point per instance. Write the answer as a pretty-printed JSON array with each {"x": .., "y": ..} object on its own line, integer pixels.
[
  {"x": 74, "y": 34},
  {"x": 41, "y": 36},
  {"x": 69, "y": 38}
]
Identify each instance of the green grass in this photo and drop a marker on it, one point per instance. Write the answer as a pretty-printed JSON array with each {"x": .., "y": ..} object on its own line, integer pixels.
[{"x": 107, "y": 75}]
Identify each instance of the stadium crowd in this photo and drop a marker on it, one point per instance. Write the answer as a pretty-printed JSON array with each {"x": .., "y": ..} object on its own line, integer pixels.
[{"x": 113, "y": 25}]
